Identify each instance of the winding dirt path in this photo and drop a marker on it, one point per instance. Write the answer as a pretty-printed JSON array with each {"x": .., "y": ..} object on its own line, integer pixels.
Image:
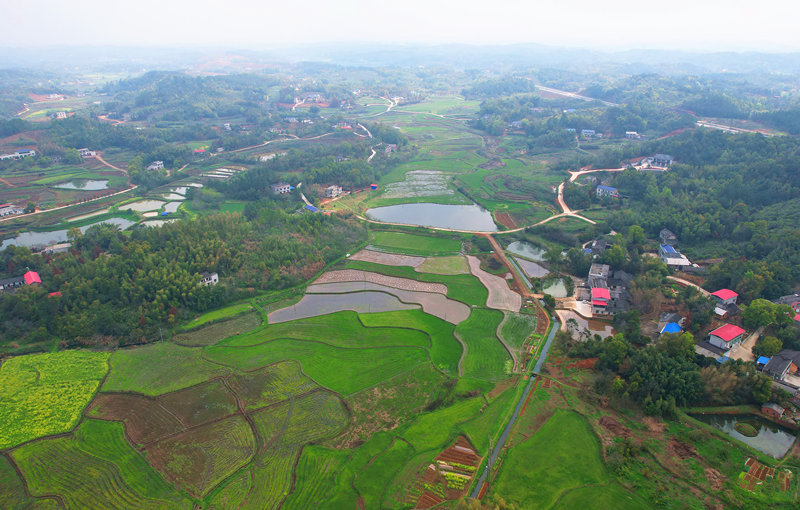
[{"x": 687, "y": 283}]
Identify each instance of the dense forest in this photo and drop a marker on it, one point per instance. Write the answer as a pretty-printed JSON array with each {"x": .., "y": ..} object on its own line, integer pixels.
[{"x": 119, "y": 287}]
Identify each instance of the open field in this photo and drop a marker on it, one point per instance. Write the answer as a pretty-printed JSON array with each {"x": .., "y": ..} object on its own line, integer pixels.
[
  {"x": 500, "y": 296},
  {"x": 44, "y": 394},
  {"x": 486, "y": 357},
  {"x": 414, "y": 244},
  {"x": 314, "y": 305},
  {"x": 456, "y": 264},
  {"x": 217, "y": 331},
  {"x": 222, "y": 313}
]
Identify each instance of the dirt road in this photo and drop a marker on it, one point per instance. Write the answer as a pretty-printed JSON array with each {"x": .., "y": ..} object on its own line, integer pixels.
[{"x": 687, "y": 283}]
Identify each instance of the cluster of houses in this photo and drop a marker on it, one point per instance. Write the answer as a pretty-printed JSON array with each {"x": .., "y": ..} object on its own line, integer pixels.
[
  {"x": 86, "y": 153},
  {"x": 333, "y": 191},
  {"x": 20, "y": 154},
  {"x": 669, "y": 253},
  {"x": 9, "y": 210},
  {"x": 608, "y": 290}
]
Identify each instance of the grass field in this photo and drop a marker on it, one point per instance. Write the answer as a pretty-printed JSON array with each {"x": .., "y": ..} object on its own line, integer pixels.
[
  {"x": 344, "y": 371},
  {"x": 491, "y": 421},
  {"x": 517, "y": 327},
  {"x": 444, "y": 265},
  {"x": 218, "y": 331},
  {"x": 431, "y": 431},
  {"x": 415, "y": 244},
  {"x": 95, "y": 469},
  {"x": 486, "y": 357},
  {"x": 601, "y": 496},
  {"x": 222, "y": 313},
  {"x": 372, "y": 482},
  {"x": 316, "y": 472},
  {"x": 562, "y": 455},
  {"x": 43, "y": 394},
  {"x": 445, "y": 349},
  {"x": 159, "y": 368}
]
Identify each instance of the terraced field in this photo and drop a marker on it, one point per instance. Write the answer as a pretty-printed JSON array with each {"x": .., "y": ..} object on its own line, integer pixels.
[{"x": 486, "y": 357}]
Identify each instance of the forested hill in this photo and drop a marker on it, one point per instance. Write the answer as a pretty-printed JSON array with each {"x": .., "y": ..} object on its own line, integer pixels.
[
  {"x": 731, "y": 196},
  {"x": 118, "y": 288}
]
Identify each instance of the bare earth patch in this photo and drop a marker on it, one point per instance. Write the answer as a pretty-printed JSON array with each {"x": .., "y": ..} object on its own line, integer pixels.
[
  {"x": 356, "y": 275},
  {"x": 500, "y": 296},
  {"x": 387, "y": 259}
]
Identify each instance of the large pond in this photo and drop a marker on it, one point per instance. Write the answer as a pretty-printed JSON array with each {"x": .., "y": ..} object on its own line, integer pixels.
[
  {"x": 527, "y": 250},
  {"x": 594, "y": 327},
  {"x": 37, "y": 239},
  {"x": 556, "y": 287},
  {"x": 458, "y": 217},
  {"x": 83, "y": 185},
  {"x": 772, "y": 439}
]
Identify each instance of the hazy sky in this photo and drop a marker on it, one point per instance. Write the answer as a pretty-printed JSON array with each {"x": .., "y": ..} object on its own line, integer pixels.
[{"x": 704, "y": 25}]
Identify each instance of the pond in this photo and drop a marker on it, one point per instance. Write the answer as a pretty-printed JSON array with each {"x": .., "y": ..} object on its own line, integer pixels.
[
  {"x": 83, "y": 184},
  {"x": 142, "y": 205},
  {"x": 595, "y": 327},
  {"x": 458, "y": 217},
  {"x": 172, "y": 207},
  {"x": 88, "y": 215},
  {"x": 527, "y": 250},
  {"x": 556, "y": 287},
  {"x": 772, "y": 439},
  {"x": 532, "y": 269},
  {"x": 312, "y": 305},
  {"x": 173, "y": 196},
  {"x": 37, "y": 239}
]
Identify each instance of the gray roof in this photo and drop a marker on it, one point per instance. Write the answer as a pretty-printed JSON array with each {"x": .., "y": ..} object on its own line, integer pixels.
[{"x": 780, "y": 362}]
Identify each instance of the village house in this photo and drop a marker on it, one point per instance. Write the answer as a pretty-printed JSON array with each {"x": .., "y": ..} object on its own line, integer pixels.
[
  {"x": 20, "y": 154},
  {"x": 281, "y": 188},
  {"x": 726, "y": 337},
  {"x": 156, "y": 165},
  {"x": 61, "y": 115},
  {"x": 9, "y": 210},
  {"x": 606, "y": 191},
  {"x": 667, "y": 237},
  {"x": 209, "y": 278},
  {"x": 773, "y": 410},
  {"x": 56, "y": 248},
  {"x": 725, "y": 302},
  {"x": 333, "y": 191},
  {"x": 29, "y": 278},
  {"x": 86, "y": 153},
  {"x": 609, "y": 291},
  {"x": 783, "y": 366},
  {"x": 390, "y": 147},
  {"x": 672, "y": 257},
  {"x": 632, "y": 135},
  {"x": 588, "y": 133},
  {"x": 662, "y": 160},
  {"x": 792, "y": 300}
]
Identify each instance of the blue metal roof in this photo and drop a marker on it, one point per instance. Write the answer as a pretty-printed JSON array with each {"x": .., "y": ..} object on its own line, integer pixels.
[
  {"x": 312, "y": 208},
  {"x": 607, "y": 188},
  {"x": 763, "y": 360},
  {"x": 723, "y": 359},
  {"x": 587, "y": 250},
  {"x": 667, "y": 248},
  {"x": 671, "y": 327},
  {"x": 164, "y": 213}
]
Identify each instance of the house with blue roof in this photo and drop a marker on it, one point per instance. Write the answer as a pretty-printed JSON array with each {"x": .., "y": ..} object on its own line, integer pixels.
[
  {"x": 606, "y": 191},
  {"x": 311, "y": 208}
]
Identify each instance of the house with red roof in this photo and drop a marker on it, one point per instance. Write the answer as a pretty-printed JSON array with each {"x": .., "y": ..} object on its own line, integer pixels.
[
  {"x": 725, "y": 296},
  {"x": 727, "y": 336},
  {"x": 32, "y": 278},
  {"x": 600, "y": 298}
]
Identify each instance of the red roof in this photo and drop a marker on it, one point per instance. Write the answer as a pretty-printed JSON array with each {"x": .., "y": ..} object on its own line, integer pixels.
[
  {"x": 597, "y": 302},
  {"x": 55, "y": 294},
  {"x": 728, "y": 332},
  {"x": 600, "y": 293},
  {"x": 724, "y": 294},
  {"x": 32, "y": 277},
  {"x": 797, "y": 317}
]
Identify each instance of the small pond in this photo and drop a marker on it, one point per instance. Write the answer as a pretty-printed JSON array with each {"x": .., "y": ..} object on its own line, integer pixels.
[
  {"x": 36, "y": 239},
  {"x": 527, "y": 250},
  {"x": 772, "y": 439},
  {"x": 142, "y": 205},
  {"x": 595, "y": 327},
  {"x": 88, "y": 215},
  {"x": 556, "y": 287},
  {"x": 172, "y": 207},
  {"x": 83, "y": 184},
  {"x": 173, "y": 196},
  {"x": 458, "y": 217},
  {"x": 532, "y": 269},
  {"x": 180, "y": 190}
]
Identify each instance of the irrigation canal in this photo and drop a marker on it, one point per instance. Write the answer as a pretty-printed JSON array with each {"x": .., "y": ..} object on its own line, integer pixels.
[{"x": 501, "y": 442}]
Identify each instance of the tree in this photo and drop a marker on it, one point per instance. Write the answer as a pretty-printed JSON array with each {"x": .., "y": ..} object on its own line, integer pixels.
[
  {"x": 761, "y": 313},
  {"x": 636, "y": 235},
  {"x": 549, "y": 301},
  {"x": 767, "y": 346},
  {"x": 677, "y": 345},
  {"x": 29, "y": 208}
]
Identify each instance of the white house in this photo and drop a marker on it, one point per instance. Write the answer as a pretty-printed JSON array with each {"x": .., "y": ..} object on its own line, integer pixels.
[
  {"x": 209, "y": 278},
  {"x": 9, "y": 210},
  {"x": 672, "y": 257},
  {"x": 86, "y": 153},
  {"x": 281, "y": 188},
  {"x": 606, "y": 191},
  {"x": 662, "y": 160},
  {"x": 725, "y": 296},
  {"x": 156, "y": 165},
  {"x": 727, "y": 336}
]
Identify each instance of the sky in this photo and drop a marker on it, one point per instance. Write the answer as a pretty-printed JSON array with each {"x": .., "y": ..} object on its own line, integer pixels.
[{"x": 697, "y": 25}]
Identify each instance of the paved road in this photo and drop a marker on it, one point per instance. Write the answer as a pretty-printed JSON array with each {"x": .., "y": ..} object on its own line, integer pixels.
[
  {"x": 501, "y": 442},
  {"x": 573, "y": 95}
]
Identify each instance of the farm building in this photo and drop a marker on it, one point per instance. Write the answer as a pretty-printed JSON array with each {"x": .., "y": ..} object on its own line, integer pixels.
[
  {"x": 662, "y": 160},
  {"x": 672, "y": 257},
  {"x": 726, "y": 337},
  {"x": 333, "y": 191},
  {"x": 606, "y": 191},
  {"x": 209, "y": 278},
  {"x": 156, "y": 165},
  {"x": 784, "y": 364},
  {"x": 9, "y": 210},
  {"x": 773, "y": 410},
  {"x": 309, "y": 207},
  {"x": 281, "y": 188}
]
